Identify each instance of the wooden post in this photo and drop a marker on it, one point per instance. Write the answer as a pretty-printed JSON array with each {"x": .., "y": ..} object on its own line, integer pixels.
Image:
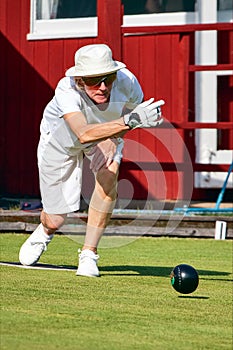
[{"x": 109, "y": 25}]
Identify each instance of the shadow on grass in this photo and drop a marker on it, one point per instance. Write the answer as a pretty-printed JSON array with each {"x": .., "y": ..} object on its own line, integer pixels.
[
  {"x": 125, "y": 270},
  {"x": 192, "y": 297},
  {"x": 39, "y": 266},
  {"x": 160, "y": 271}
]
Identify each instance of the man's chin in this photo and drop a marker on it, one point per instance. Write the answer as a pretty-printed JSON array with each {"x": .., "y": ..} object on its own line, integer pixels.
[{"x": 101, "y": 99}]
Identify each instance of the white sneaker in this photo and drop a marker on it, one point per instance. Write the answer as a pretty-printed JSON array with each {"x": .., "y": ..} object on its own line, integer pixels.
[
  {"x": 35, "y": 245},
  {"x": 88, "y": 264}
]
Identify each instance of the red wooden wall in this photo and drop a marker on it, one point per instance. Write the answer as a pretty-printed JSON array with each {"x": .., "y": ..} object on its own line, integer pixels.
[
  {"x": 30, "y": 71},
  {"x": 157, "y": 163}
]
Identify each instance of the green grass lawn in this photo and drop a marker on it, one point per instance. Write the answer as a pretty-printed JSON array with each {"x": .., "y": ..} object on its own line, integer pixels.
[{"x": 131, "y": 306}]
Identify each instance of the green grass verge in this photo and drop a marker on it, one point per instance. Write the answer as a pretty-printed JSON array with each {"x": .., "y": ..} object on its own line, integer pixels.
[{"x": 131, "y": 306}]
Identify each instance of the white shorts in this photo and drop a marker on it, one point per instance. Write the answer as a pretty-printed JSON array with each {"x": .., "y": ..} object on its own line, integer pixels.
[{"x": 60, "y": 177}]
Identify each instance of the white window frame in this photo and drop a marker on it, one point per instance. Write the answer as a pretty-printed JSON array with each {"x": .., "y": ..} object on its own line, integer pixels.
[{"x": 60, "y": 28}]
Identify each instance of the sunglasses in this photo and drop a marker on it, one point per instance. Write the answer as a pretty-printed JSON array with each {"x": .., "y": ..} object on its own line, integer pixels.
[{"x": 97, "y": 81}]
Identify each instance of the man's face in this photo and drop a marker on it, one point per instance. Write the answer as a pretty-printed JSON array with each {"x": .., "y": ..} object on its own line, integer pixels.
[{"x": 99, "y": 88}]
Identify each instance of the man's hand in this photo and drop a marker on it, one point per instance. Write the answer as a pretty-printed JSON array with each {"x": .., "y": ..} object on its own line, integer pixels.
[
  {"x": 146, "y": 115},
  {"x": 103, "y": 154}
]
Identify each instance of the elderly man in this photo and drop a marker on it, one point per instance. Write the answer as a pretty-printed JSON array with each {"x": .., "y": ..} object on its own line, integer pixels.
[{"x": 97, "y": 102}]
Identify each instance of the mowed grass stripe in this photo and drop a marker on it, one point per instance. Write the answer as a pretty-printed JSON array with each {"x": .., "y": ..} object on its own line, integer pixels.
[{"x": 131, "y": 306}]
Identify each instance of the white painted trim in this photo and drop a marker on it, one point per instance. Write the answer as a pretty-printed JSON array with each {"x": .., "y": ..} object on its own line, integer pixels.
[
  {"x": 174, "y": 18},
  {"x": 224, "y": 72},
  {"x": 212, "y": 180},
  {"x": 64, "y": 28}
]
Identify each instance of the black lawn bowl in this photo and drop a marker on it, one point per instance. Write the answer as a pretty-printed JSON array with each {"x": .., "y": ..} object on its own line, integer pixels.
[{"x": 184, "y": 279}]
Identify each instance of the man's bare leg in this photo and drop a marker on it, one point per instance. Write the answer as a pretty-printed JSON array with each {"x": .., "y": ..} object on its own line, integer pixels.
[
  {"x": 101, "y": 205},
  {"x": 51, "y": 222}
]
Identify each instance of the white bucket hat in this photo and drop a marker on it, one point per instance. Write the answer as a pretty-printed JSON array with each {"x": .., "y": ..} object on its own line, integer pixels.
[{"x": 93, "y": 60}]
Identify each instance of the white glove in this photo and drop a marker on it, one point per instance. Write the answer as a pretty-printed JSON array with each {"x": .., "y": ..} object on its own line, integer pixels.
[{"x": 146, "y": 115}]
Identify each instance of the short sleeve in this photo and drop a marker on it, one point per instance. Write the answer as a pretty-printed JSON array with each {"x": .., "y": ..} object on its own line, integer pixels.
[
  {"x": 128, "y": 87},
  {"x": 67, "y": 98},
  {"x": 136, "y": 94}
]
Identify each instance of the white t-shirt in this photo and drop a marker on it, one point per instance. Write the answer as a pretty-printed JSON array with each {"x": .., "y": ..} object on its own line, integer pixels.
[{"x": 125, "y": 90}]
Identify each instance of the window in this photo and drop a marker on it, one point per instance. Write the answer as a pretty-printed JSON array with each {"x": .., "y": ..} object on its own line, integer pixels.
[
  {"x": 138, "y": 7},
  {"x": 52, "y": 19}
]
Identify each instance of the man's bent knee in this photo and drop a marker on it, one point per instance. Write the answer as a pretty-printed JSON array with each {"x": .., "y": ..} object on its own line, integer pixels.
[
  {"x": 107, "y": 179},
  {"x": 52, "y": 222}
]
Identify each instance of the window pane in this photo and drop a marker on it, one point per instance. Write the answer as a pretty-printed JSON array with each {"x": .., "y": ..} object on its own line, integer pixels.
[
  {"x": 51, "y": 9},
  {"x": 76, "y": 8},
  {"x": 225, "y": 5},
  {"x": 157, "y": 6}
]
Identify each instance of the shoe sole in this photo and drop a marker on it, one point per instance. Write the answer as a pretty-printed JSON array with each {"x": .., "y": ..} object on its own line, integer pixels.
[{"x": 85, "y": 275}]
